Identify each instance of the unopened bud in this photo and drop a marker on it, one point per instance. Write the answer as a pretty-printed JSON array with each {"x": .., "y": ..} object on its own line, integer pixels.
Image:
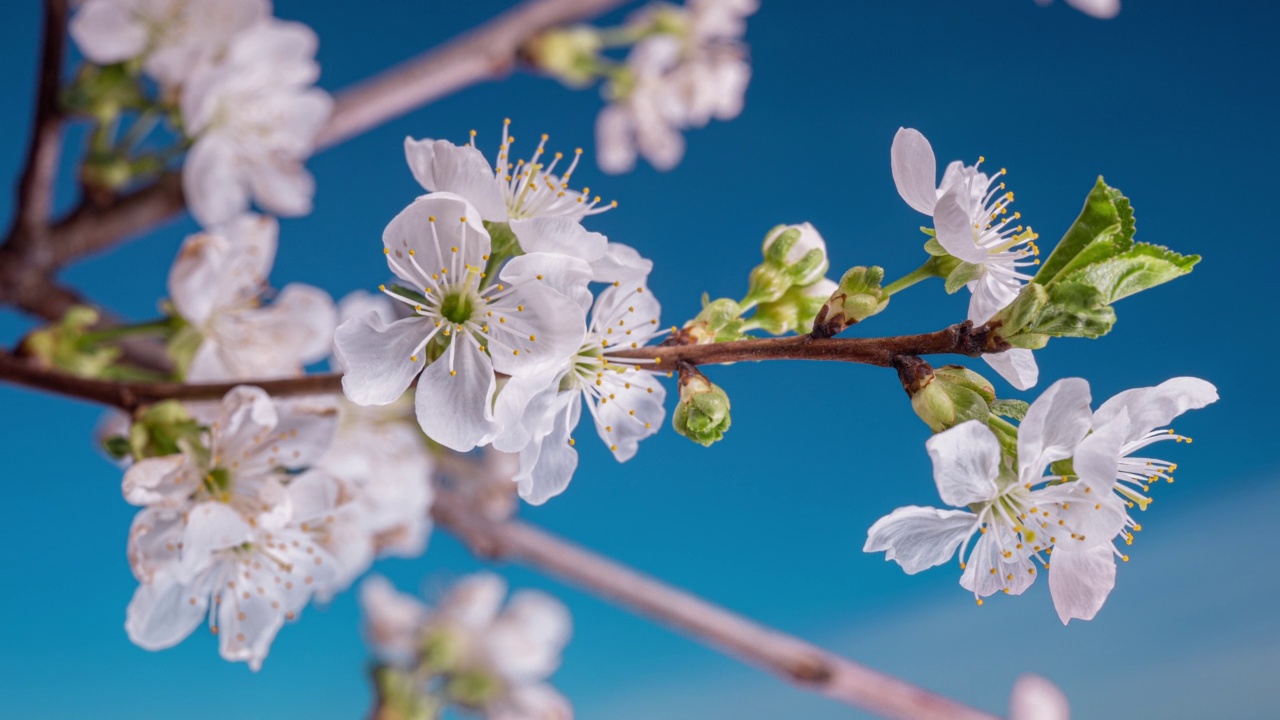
[
  {"x": 1020, "y": 314},
  {"x": 795, "y": 310},
  {"x": 719, "y": 321},
  {"x": 570, "y": 54},
  {"x": 165, "y": 428},
  {"x": 953, "y": 395},
  {"x": 702, "y": 414},
  {"x": 856, "y": 298},
  {"x": 439, "y": 650},
  {"x": 67, "y": 346},
  {"x": 794, "y": 256},
  {"x": 399, "y": 697}
]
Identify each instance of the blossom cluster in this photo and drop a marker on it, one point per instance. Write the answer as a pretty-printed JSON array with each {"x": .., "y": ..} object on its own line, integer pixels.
[
  {"x": 468, "y": 650},
  {"x": 498, "y": 323},
  {"x": 241, "y": 83},
  {"x": 691, "y": 66},
  {"x": 1059, "y": 485}
]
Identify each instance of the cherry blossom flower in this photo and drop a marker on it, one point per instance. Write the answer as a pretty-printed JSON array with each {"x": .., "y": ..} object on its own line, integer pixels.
[
  {"x": 1021, "y": 515},
  {"x": 1035, "y": 698},
  {"x": 228, "y": 525},
  {"x": 469, "y": 634},
  {"x": 970, "y": 211},
  {"x": 540, "y": 412},
  {"x": 1101, "y": 9},
  {"x": 215, "y": 285},
  {"x": 174, "y": 37},
  {"x": 464, "y": 327},
  {"x": 254, "y": 118},
  {"x": 649, "y": 118}
]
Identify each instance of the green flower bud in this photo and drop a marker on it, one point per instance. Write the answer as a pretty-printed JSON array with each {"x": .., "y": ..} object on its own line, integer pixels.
[
  {"x": 702, "y": 414},
  {"x": 571, "y": 54},
  {"x": 794, "y": 256},
  {"x": 1022, "y": 312},
  {"x": 439, "y": 650},
  {"x": 165, "y": 428},
  {"x": 103, "y": 92},
  {"x": 69, "y": 347},
  {"x": 858, "y": 297},
  {"x": 953, "y": 395},
  {"x": 399, "y": 697},
  {"x": 795, "y": 310},
  {"x": 473, "y": 688},
  {"x": 719, "y": 321}
]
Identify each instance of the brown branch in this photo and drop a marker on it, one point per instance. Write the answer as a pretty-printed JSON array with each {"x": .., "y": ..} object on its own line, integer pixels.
[
  {"x": 799, "y": 662},
  {"x": 485, "y": 53},
  {"x": 35, "y": 188},
  {"x": 961, "y": 339}
]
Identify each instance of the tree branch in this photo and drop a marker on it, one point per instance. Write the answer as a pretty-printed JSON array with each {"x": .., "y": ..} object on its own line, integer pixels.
[
  {"x": 799, "y": 662},
  {"x": 958, "y": 339},
  {"x": 485, "y": 53}
]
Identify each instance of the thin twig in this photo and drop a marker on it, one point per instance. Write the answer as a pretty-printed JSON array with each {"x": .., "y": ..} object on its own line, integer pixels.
[
  {"x": 962, "y": 339},
  {"x": 488, "y": 52},
  {"x": 799, "y": 662}
]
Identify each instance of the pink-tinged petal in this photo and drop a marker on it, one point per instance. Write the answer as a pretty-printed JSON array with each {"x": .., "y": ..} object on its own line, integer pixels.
[
  {"x": 966, "y": 461},
  {"x": 547, "y": 463},
  {"x": 165, "y": 611},
  {"x": 1081, "y": 579},
  {"x": 379, "y": 360},
  {"x": 1155, "y": 407},
  {"x": 1035, "y": 698},
  {"x": 441, "y": 166},
  {"x": 1017, "y": 366},
  {"x": 918, "y": 538},
  {"x": 915, "y": 169},
  {"x": 212, "y": 181},
  {"x": 454, "y": 401},
  {"x": 107, "y": 32},
  {"x": 1054, "y": 426},
  {"x": 954, "y": 225}
]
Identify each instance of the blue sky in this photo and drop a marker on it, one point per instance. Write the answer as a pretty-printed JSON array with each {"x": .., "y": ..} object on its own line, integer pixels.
[{"x": 1171, "y": 102}]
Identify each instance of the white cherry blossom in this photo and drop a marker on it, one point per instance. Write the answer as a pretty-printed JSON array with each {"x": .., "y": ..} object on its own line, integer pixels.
[
  {"x": 625, "y": 399},
  {"x": 1021, "y": 516},
  {"x": 215, "y": 285},
  {"x": 970, "y": 212},
  {"x": 174, "y": 37},
  {"x": 1101, "y": 9},
  {"x": 464, "y": 327},
  {"x": 648, "y": 120},
  {"x": 254, "y": 118}
]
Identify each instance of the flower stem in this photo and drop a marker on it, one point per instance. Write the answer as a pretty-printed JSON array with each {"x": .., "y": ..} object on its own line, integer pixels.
[
  {"x": 163, "y": 326},
  {"x": 924, "y": 272}
]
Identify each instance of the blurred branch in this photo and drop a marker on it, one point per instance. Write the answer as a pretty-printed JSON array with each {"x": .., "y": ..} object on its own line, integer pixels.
[
  {"x": 799, "y": 662},
  {"x": 961, "y": 338}
]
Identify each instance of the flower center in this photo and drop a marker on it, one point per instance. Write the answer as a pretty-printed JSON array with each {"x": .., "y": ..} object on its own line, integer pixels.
[{"x": 457, "y": 307}]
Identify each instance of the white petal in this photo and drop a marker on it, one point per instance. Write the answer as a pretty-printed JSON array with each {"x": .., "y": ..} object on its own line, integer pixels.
[
  {"x": 212, "y": 526},
  {"x": 1054, "y": 426},
  {"x": 154, "y": 537},
  {"x": 966, "y": 460},
  {"x": 212, "y": 182},
  {"x": 282, "y": 186},
  {"x": 1097, "y": 459},
  {"x": 456, "y": 224},
  {"x": 441, "y": 166},
  {"x": 107, "y": 32},
  {"x": 1101, "y": 9},
  {"x": 1017, "y": 366},
  {"x": 392, "y": 620},
  {"x": 1035, "y": 698},
  {"x": 155, "y": 480},
  {"x": 1155, "y": 407},
  {"x": 527, "y": 638},
  {"x": 312, "y": 318},
  {"x": 562, "y": 235},
  {"x": 454, "y": 400},
  {"x": 632, "y": 411},
  {"x": 556, "y": 324},
  {"x": 615, "y": 140},
  {"x": 313, "y": 495},
  {"x": 524, "y": 409},
  {"x": 246, "y": 413},
  {"x": 626, "y": 306},
  {"x": 955, "y": 226},
  {"x": 224, "y": 268},
  {"x": 547, "y": 463},
  {"x": 562, "y": 272},
  {"x": 988, "y": 570},
  {"x": 531, "y": 702},
  {"x": 620, "y": 263},
  {"x": 915, "y": 170},
  {"x": 378, "y": 358},
  {"x": 164, "y": 611},
  {"x": 473, "y": 601},
  {"x": 1081, "y": 580},
  {"x": 992, "y": 292},
  {"x": 247, "y": 626},
  {"x": 918, "y": 538}
]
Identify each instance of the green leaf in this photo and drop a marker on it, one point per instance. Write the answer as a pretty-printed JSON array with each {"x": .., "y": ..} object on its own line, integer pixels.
[
  {"x": 933, "y": 247},
  {"x": 961, "y": 275},
  {"x": 1141, "y": 267},
  {"x": 1106, "y": 215},
  {"x": 1012, "y": 409},
  {"x": 1075, "y": 309}
]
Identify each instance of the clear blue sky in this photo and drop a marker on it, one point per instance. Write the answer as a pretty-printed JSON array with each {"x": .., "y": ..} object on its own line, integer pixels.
[{"x": 1174, "y": 103}]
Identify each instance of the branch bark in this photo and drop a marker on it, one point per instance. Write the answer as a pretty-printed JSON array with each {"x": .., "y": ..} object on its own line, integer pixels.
[
  {"x": 961, "y": 338},
  {"x": 799, "y": 662}
]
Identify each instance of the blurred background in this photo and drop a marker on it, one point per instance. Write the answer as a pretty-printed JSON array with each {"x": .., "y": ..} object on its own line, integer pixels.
[{"x": 1173, "y": 102}]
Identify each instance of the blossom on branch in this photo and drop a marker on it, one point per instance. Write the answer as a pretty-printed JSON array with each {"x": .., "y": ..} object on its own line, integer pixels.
[
  {"x": 215, "y": 285},
  {"x": 970, "y": 212}
]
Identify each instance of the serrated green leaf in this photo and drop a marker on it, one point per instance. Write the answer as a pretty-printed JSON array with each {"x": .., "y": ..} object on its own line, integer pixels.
[
  {"x": 933, "y": 247},
  {"x": 1075, "y": 309},
  {"x": 1106, "y": 213},
  {"x": 1141, "y": 267},
  {"x": 1012, "y": 409},
  {"x": 961, "y": 275}
]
